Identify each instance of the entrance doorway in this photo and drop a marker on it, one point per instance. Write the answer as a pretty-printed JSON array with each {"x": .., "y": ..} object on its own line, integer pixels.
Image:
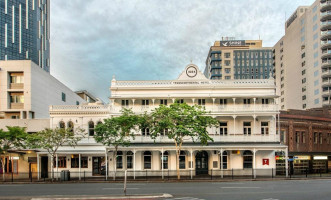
[
  {"x": 201, "y": 163},
  {"x": 99, "y": 166},
  {"x": 44, "y": 167}
]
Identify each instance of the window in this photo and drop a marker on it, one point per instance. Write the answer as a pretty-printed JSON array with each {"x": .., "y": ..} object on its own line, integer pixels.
[
  {"x": 182, "y": 160},
  {"x": 227, "y": 55},
  {"x": 145, "y": 131},
  {"x": 227, "y": 62},
  {"x": 315, "y": 138},
  {"x": 315, "y": 27},
  {"x": 315, "y": 73},
  {"x": 71, "y": 126},
  {"x": 315, "y": 45},
  {"x": 16, "y": 78},
  {"x": 179, "y": 101},
  {"x": 297, "y": 137},
  {"x": 63, "y": 97},
  {"x": 62, "y": 162},
  {"x": 165, "y": 159},
  {"x": 125, "y": 103},
  {"x": 75, "y": 162},
  {"x": 16, "y": 98},
  {"x": 303, "y": 138},
  {"x": 265, "y": 101},
  {"x": 202, "y": 102},
  {"x": 62, "y": 124},
  {"x": 129, "y": 160},
  {"x": 77, "y": 103},
  {"x": 164, "y": 132},
  {"x": 283, "y": 136},
  {"x": 147, "y": 160},
  {"x": 223, "y": 128},
  {"x": 227, "y": 70},
  {"x": 225, "y": 160},
  {"x": 164, "y": 102},
  {"x": 223, "y": 101},
  {"x": 321, "y": 138},
  {"x": 227, "y": 77},
  {"x": 91, "y": 128},
  {"x": 145, "y": 102},
  {"x": 247, "y": 128},
  {"x": 119, "y": 160},
  {"x": 316, "y": 92},
  {"x": 248, "y": 159},
  {"x": 264, "y": 128},
  {"x": 316, "y": 101},
  {"x": 247, "y": 101}
]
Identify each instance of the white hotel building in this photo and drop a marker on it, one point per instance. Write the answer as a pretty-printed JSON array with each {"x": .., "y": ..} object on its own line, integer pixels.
[{"x": 246, "y": 139}]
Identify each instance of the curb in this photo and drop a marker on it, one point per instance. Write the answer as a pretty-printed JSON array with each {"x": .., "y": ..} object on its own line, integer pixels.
[{"x": 106, "y": 197}]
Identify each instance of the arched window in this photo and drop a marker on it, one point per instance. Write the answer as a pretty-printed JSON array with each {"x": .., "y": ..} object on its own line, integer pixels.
[
  {"x": 119, "y": 160},
  {"x": 62, "y": 124},
  {"x": 248, "y": 159},
  {"x": 91, "y": 128},
  {"x": 165, "y": 159},
  {"x": 147, "y": 160},
  {"x": 182, "y": 160},
  {"x": 129, "y": 160},
  {"x": 225, "y": 160},
  {"x": 71, "y": 126}
]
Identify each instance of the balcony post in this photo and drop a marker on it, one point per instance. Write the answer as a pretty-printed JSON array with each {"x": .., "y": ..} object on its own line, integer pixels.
[
  {"x": 134, "y": 164},
  {"x": 254, "y": 124},
  {"x": 193, "y": 100},
  {"x": 254, "y": 99},
  {"x": 234, "y": 104},
  {"x": 79, "y": 165},
  {"x": 162, "y": 163},
  {"x": 254, "y": 162},
  {"x": 221, "y": 163},
  {"x": 234, "y": 126},
  {"x": 213, "y": 103}
]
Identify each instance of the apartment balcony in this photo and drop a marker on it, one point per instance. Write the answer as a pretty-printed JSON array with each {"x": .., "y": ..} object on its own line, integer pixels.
[
  {"x": 326, "y": 73},
  {"x": 16, "y": 105},
  {"x": 325, "y": 15},
  {"x": 326, "y": 63},
  {"x": 324, "y": 6},
  {"x": 326, "y": 35},
  {"x": 215, "y": 59},
  {"x": 325, "y": 25},
  {"x": 216, "y": 109},
  {"x": 326, "y": 83},
  {"x": 326, "y": 54},
  {"x": 325, "y": 44},
  {"x": 326, "y": 93},
  {"x": 17, "y": 86}
]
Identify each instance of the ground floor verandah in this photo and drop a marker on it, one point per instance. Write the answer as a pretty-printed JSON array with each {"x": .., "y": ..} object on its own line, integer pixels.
[{"x": 160, "y": 160}]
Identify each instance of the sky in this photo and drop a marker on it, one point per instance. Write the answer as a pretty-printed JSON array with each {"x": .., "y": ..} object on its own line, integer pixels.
[{"x": 92, "y": 40}]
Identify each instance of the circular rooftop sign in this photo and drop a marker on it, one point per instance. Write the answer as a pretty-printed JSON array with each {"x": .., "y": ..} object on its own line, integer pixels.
[{"x": 191, "y": 71}]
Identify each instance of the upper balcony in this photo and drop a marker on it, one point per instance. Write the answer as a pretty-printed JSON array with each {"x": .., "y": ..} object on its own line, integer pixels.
[
  {"x": 80, "y": 108},
  {"x": 326, "y": 63},
  {"x": 325, "y": 5},
  {"x": 238, "y": 109},
  {"x": 326, "y": 53},
  {"x": 325, "y": 25},
  {"x": 326, "y": 82},
  {"x": 326, "y": 35},
  {"x": 326, "y": 73},
  {"x": 325, "y": 15},
  {"x": 325, "y": 44}
]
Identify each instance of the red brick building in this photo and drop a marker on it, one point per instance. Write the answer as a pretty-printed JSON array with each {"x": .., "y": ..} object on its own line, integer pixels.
[{"x": 308, "y": 136}]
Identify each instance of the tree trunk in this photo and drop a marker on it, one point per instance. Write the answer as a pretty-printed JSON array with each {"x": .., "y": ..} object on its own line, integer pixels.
[
  {"x": 52, "y": 167},
  {"x": 177, "y": 163},
  {"x": 2, "y": 160}
]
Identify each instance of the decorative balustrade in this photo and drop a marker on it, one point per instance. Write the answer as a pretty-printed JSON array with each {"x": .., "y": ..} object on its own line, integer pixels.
[
  {"x": 79, "y": 107},
  {"x": 227, "y": 83}
]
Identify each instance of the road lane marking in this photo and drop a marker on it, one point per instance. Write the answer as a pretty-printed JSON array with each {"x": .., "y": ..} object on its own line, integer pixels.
[
  {"x": 240, "y": 187},
  {"x": 120, "y": 188}
]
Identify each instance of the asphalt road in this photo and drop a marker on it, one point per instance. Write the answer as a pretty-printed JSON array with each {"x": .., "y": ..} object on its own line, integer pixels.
[{"x": 241, "y": 190}]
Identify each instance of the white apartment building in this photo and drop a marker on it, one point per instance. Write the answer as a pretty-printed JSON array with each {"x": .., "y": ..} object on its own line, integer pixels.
[
  {"x": 26, "y": 91},
  {"x": 245, "y": 140},
  {"x": 302, "y": 58}
]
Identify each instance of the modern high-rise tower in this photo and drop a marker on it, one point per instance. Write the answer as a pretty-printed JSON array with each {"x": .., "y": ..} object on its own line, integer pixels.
[
  {"x": 239, "y": 59},
  {"x": 25, "y": 28},
  {"x": 303, "y": 58}
]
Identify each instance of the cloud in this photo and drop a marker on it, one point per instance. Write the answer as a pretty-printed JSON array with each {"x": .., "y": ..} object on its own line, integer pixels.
[{"x": 149, "y": 39}]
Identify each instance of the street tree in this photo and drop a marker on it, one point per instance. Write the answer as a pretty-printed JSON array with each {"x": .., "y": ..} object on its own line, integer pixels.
[
  {"x": 117, "y": 132},
  {"x": 181, "y": 122},
  {"x": 52, "y": 139},
  {"x": 13, "y": 138}
]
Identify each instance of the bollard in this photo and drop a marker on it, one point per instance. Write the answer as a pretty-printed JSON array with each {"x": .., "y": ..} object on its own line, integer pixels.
[
  {"x": 306, "y": 172},
  {"x": 84, "y": 176},
  {"x": 211, "y": 174},
  {"x": 30, "y": 176},
  {"x": 272, "y": 173},
  {"x": 12, "y": 177},
  {"x": 168, "y": 175},
  {"x": 232, "y": 173},
  {"x": 146, "y": 175}
]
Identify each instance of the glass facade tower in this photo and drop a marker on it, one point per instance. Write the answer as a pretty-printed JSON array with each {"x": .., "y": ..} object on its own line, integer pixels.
[{"x": 24, "y": 31}]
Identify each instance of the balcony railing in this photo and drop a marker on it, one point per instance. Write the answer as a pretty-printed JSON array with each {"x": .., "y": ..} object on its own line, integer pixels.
[
  {"x": 238, "y": 108},
  {"x": 79, "y": 107},
  {"x": 325, "y": 4}
]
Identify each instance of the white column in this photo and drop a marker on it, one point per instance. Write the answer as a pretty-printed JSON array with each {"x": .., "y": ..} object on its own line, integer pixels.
[
  {"x": 134, "y": 164},
  {"x": 213, "y": 102},
  {"x": 38, "y": 167},
  {"x": 286, "y": 162},
  {"x": 79, "y": 165},
  {"x": 193, "y": 100},
  {"x": 254, "y": 163},
  {"x": 275, "y": 119},
  {"x": 222, "y": 163},
  {"x": 234, "y": 127},
  {"x": 106, "y": 157},
  {"x": 254, "y": 124},
  {"x": 57, "y": 167},
  {"x": 162, "y": 163},
  {"x": 191, "y": 164},
  {"x": 234, "y": 104},
  {"x": 254, "y": 99}
]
